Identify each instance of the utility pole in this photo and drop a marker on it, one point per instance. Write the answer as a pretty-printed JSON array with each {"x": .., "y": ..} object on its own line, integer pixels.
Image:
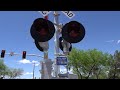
[
  {"x": 33, "y": 69},
  {"x": 56, "y": 36}
]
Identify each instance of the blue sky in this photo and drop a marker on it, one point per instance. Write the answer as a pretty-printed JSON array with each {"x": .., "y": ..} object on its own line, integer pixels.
[{"x": 102, "y": 33}]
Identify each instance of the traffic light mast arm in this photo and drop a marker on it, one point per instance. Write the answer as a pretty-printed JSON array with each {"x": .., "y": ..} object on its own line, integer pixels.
[
  {"x": 13, "y": 54},
  {"x": 35, "y": 55}
]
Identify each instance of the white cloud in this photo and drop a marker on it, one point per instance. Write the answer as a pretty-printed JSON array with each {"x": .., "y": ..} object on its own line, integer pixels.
[
  {"x": 27, "y": 73},
  {"x": 110, "y": 41},
  {"x": 24, "y": 61},
  {"x": 118, "y": 41},
  {"x": 35, "y": 62}
]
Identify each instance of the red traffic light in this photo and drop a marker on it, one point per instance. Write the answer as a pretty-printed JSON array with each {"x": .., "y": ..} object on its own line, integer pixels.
[
  {"x": 2, "y": 53},
  {"x": 42, "y": 30},
  {"x": 73, "y": 32},
  {"x": 24, "y": 55}
]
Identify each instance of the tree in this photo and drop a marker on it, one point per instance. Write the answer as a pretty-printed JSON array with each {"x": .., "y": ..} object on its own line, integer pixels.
[
  {"x": 7, "y": 72},
  {"x": 114, "y": 72},
  {"x": 89, "y": 64},
  {"x": 14, "y": 73},
  {"x": 3, "y": 69}
]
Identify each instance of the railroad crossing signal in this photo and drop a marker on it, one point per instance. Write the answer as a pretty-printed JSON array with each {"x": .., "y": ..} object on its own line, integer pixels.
[
  {"x": 42, "y": 30},
  {"x": 73, "y": 32},
  {"x": 65, "y": 35}
]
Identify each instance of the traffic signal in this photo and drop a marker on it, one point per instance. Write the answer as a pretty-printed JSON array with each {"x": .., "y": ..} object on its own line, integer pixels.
[
  {"x": 24, "y": 55},
  {"x": 73, "y": 32},
  {"x": 61, "y": 45},
  {"x": 42, "y": 30},
  {"x": 2, "y": 53}
]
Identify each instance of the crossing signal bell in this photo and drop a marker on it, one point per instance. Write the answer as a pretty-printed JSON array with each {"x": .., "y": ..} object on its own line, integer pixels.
[
  {"x": 2, "y": 53},
  {"x": 61, "y": 45},
  {"x": 42, "y": 30},
  {"x": 73, "y": 32},
  {"x": 38, "y": 46},
  {"x": 24, "y": 55}
]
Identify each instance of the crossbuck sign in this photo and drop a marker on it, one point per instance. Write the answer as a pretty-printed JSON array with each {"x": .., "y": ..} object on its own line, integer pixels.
[{"x": 69, "y": 14}]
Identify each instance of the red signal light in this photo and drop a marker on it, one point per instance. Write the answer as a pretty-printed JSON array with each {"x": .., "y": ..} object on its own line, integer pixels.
[
  {"x": 2, "y": 53},
  {"x": 73, "y": 32},
  {"x": 24, "y": 55},
  {"x": 42, "y": 30}
]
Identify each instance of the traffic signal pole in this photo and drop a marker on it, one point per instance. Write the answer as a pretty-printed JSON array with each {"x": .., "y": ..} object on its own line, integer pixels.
[
  {"x": 33, "y": 70},
  {"x": 56, "y": 40}
]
